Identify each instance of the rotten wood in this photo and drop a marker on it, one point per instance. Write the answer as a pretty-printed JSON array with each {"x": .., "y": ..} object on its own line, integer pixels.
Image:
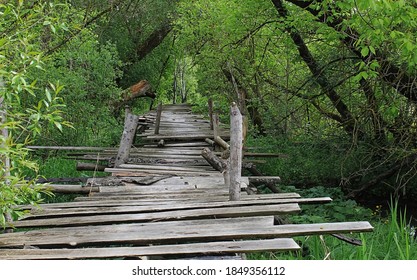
[{"x": 140, "y": 89}]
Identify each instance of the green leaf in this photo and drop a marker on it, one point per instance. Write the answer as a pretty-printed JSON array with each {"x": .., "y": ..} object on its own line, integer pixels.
[
  {"x": 48, "y": 95},
  {"x": 365, "y": 51},
  {"x": 372, "y": 49},
  {"x": 58, "y": 125}
]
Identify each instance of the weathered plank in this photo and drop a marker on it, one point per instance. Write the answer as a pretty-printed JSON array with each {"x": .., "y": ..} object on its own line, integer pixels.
[
  {"x": 78, "y": 236},
  {"x": 138, "y": 202},
  {"x": 141, "y": 172},
  {"x": 225, "y": 212},
  {"x": 196, "y": 136},
  {"x": 115, "y": 209},
  {"x": 150, "y": 233},
  {"x": 246, "y": 246},
  {"x": 166, "y": 168}
]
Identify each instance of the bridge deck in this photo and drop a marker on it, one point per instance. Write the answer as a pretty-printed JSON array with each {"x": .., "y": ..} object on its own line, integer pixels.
[{"x": 166, "y": 201}]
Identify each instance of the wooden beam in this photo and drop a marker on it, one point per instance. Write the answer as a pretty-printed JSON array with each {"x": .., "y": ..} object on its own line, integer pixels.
[
  {"x": 243, "y": 246},
  {"x": 235, "y": 161},
  {"x": 224, "y": 212},
  {"x": 174, "y": 231},
  {"x": 129, "y": 131},
  {"x": 219, "y": 141},
  {"x": 85, "y": 166},
  {"x": 158, "y": 118}
]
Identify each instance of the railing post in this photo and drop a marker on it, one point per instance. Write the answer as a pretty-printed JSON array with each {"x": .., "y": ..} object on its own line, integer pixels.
[
  {"x": 158, "y": 118},
  {"x": 235, "y": 160},
  {"x": 131, "y": 123},
  {"x": 210, "y": 107}
]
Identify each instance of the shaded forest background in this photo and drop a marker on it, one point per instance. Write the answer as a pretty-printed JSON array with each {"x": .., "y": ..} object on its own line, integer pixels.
[{"x": 333, "y": 84}]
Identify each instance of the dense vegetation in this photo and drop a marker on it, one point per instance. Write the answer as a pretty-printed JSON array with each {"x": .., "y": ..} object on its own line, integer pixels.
[{"x": 332, "y": 84}]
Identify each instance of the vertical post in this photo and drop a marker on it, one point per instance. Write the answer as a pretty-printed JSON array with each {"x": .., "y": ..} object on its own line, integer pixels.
[
  {"x": 216, "y": 123},
  {"x": 210, "y": 107},
  {"x": 158, "y": 118},
  {"x": 235, "y": 164},
  {"x": 129, "y": 131}
]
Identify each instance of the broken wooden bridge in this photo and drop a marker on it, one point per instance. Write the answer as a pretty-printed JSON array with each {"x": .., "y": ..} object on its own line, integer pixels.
[{"x": 163, "y": 199}]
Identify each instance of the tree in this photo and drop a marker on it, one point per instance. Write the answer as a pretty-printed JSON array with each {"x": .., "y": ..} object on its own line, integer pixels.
[{"x": 26, "y": 106}]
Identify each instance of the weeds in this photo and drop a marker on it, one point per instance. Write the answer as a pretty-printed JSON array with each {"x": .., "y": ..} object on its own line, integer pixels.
[{"x": 392, "y": 239}]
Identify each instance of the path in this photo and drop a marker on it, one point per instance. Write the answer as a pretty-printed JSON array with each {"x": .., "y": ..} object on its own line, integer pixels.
[{"x": 165, "y": 202}]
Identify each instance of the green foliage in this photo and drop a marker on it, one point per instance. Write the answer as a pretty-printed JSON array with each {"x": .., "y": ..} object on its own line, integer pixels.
[
  {"x": 26, "y": 106},
  {"x": 89, "y": 71},
  {"x": 393, "y": 238}
]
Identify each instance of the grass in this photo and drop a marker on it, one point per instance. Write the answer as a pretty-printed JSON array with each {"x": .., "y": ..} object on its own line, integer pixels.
[
  {"x": 58, "y": 167},
  {"x": 393, "y": 238}
]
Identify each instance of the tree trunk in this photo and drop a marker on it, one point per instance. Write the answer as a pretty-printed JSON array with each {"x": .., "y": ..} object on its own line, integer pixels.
[
  {"x": 153, "y": 41},
  {"x": 348, "y": 121},
  {"x": 401, "y": 81}
]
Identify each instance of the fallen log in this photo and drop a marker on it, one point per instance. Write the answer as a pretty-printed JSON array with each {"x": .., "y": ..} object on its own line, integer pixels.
[
  {"x": 84, "y": 166},
  {"x": 269, "y": 184},
  {"x": 140, "y": 89}
]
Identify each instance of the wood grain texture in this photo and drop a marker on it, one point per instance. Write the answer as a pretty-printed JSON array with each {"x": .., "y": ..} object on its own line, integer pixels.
[
  {"x": 247, "y": 246},
  {"x": 224, "y": 212}
]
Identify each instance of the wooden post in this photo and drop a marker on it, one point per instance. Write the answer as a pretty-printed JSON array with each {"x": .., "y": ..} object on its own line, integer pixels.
[
  {"x": 216, "y": 122},
  {"x": 210, "y": 107},
  {"x": 216, "y": 127},
  {"x": 158, "y": 118},
  {"x": 131, "y": 123},
  {"x": 235, "y": 164}
]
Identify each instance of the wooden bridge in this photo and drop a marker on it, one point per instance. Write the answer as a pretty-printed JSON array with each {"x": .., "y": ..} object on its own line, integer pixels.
[{"x": 163, "y": 200}]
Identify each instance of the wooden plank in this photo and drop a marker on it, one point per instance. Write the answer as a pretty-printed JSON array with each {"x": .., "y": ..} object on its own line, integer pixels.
[
  {"x": 247, "y": 246},
  {"x": 182, "y": 137},
  {"x": 145, "y": 172},
  {"x": 115, "y": 209},
  {"x": 188, "y": 144},
  {"x": 76, "y": 236},
  {"x": 69, "y": 148},
  {"x": 151, "y": 233},
  {"x": 165, "y": 167},
  {"x": 226, "y": 212},
  {"x": 158, "y": 188},
  {"x": 137, "y": 202}
]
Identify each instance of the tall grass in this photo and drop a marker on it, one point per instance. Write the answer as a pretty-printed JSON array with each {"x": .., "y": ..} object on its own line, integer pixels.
[{"x": 393, "y": 238}]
